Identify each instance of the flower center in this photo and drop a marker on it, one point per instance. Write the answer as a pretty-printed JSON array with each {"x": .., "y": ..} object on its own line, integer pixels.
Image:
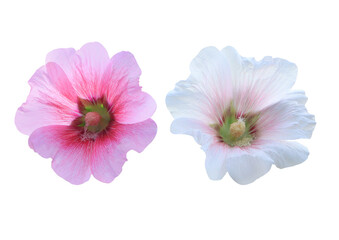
[
  {"x": 237, "y": 129},
  {"x": 95, "y": 116},
  {"x": 92, "y": 119},
  {"x": 234, "y": 130}
]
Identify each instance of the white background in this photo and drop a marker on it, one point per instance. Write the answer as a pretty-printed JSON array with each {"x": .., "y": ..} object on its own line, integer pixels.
[{"x": 164, "y": 192}]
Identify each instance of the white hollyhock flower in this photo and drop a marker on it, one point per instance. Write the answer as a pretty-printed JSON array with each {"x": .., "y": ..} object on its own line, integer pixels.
[{"x": 242, "y": 112}]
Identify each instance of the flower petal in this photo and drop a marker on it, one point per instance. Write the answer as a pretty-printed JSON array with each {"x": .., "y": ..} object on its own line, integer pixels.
[
  {"x": 246, "y": 166},
  {"x": 297, "y": 96},
  {"x": 195, "y": 128},
  {"x": 71, "y": 157},
  {"x": 110, "y": 151},
  {"x": 286, "y": 153},
  {"x": 52, "y": 100},
  {"x": 207, "y": 92},
  {"x": 137, "y": 136},
  {"x": 64, "y": 58},
  {"x": 139, "y": 107},
  {"x": 107, "y": 160},
  {"x": 258, "y": 84},
  {"x": 94, "y": 59},
  {"x": 185, "y": 101},
  {"x": 84, "y": 67},
  {"x": 286, "y": 120},
  {"x": 123, "y": 68},
  {"x": 88, "y": 66},
  {"x": 93, "y": 62},
  {"x": 212, "y": 70},
  {"x": 216, "y": 161},
  {"x": 120, "y": 84}
]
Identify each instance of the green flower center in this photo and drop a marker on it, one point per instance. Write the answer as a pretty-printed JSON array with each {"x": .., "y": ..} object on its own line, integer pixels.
[
  {"x": 235, "y": 130},
  {"x": 95, "y": 117}
]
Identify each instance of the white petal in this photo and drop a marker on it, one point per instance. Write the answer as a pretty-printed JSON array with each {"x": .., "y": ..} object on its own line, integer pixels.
[
  {"x": 211, "y": 68},
  {"x": 286, "y": 120},
  {"x": 215, "y": 163},
  {"x": 258, "y": 84},
  {"x": 185, "y": 101},
  {"x": 235, "y": 61},
  {"x": 245, "y": 167},
  {"x": 208, "y": 90},
  {"x": 286, "y": 153},
  {"x": 201, "y": 133},
  {"x": 297, "y": 96}
]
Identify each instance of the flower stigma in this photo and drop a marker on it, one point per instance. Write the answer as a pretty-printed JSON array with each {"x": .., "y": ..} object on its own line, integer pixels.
[{"x": 92, "y": 119}]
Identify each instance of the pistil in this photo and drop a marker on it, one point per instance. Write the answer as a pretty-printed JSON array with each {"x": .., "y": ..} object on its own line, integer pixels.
[
  {"x": 92, "y": 119},
  {"x": 237, "y": 129}
]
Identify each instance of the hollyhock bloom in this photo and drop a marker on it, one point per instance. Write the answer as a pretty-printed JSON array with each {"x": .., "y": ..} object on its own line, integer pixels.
[
  {"x": 86, "y": 111},
  {"x": 242, "y": 112}
]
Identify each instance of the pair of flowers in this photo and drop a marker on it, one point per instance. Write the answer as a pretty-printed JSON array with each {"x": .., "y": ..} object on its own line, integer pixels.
[{"x": 86, "y": 111}]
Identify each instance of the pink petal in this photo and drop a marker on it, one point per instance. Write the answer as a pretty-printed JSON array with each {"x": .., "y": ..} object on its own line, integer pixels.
[
  {"x": 123, "y": 68},
  {"x": 94, "y": 59},
  {"x": 88, "y": 67},
  {"x": 60, "y": 82},
  {"x": 120, "y": 84},
  {"x": 84, "y": 68},
  {"x": 109, "y": 152},
  {"x": 71, "y": 157},
  {"x": 52, "y": 100},
  {"x": 64, "y": 58},
  {"x": 107, "y": 161},
  {"x": 139, "y": 107},
  {"x": 93, "y": 75}
]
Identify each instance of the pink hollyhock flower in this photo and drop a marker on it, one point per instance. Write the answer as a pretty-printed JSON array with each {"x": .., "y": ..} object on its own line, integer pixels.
[
  {"x": 242, "y": 112},
  {"x": 86, "y": 111}
]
